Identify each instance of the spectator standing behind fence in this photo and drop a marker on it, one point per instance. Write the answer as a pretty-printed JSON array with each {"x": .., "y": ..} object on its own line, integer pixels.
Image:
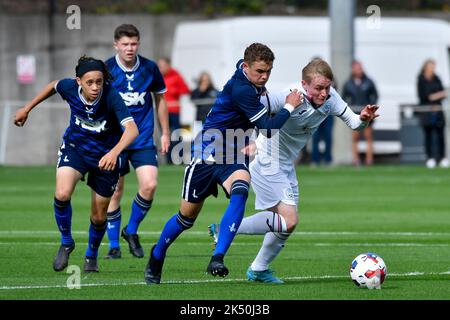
[
  {"x": 360, "y": 90},
  {"x": 203, "y": 96},
  {"x": 431, "y": 93},
  {"x": 176, "y": 87}
]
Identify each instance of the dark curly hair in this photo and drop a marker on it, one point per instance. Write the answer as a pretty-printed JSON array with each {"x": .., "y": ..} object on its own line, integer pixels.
[{"x": 86, "y": 59}]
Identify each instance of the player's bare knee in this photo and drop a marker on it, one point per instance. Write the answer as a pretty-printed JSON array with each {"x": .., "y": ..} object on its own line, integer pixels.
[
  {"x": 98, "y": 219},
  {"x": 290, "y": 217},
  {"x": 148, "y": 190},
  {"x": 98, "y": 212},
  {"x": 291, "y": 223},
  {"x": 290, "y": 228},
  {"x": 63, "y": 195}
]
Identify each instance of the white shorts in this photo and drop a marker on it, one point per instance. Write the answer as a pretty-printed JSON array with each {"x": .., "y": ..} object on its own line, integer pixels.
[{"x": 272, "y": 188}]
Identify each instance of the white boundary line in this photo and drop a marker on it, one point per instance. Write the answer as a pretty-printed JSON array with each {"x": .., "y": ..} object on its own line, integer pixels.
[
  {"x": 199, "y": 281},
  {"x": 241, "y": 244},
  {"x": 196, "y": 233}
]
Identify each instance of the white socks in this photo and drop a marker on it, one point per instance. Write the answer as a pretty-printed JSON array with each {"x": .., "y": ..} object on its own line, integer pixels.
[
  {"x": 262, "y": 222},
  {"x": 271, "y": 247},
  {"x": 273, "y": 226}
]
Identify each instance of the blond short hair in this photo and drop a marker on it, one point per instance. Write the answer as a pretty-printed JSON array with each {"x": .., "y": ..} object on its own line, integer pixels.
[{"x": 317, "y": 66}]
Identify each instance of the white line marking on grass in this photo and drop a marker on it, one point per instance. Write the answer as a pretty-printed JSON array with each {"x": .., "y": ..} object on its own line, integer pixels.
[
  {"x": 242, "y": 244},
  {"x": 196, "y": 233},
  {"x": 356, "y": 233},
  {"x": 200, "y": 281},
  {"x": 389, "y": 244},
  {"x": 34, "y": 243}
]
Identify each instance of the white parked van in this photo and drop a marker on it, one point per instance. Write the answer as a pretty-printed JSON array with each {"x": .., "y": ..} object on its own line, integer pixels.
[{"x": 392, "y": 54}]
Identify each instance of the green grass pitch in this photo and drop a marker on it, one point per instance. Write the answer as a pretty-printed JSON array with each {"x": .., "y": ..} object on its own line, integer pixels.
[{"x": 402, "y": 213}]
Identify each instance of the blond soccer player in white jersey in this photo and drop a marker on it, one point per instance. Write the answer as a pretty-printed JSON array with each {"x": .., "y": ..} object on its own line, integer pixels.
[{"x": 273, "y": 175}]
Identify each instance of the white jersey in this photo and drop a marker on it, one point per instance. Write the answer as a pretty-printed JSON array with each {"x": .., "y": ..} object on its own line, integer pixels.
[{"x": 282, "y": 149}]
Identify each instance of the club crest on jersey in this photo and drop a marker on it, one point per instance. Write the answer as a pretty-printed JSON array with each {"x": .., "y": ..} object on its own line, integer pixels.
[
  {"x": 129, "y": 79},
  {"x": 133, "y": 98},
  {"x": 89, "y": 111}
]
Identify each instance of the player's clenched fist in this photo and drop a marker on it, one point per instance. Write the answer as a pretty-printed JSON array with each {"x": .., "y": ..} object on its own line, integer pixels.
[
  {"x": 295, "y": 98},
  {"x": 21, "y": 117}
]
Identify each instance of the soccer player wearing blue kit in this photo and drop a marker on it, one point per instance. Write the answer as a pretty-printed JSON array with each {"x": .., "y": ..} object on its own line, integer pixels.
[
  {"x": 273, "y": 172},
  {"x": 237, "y": 108},
  {"x": 136, "y": 78},
  {"x": 91, "y": 145}
]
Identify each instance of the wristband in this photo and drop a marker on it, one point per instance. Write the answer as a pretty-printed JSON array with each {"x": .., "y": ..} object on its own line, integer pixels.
[{"x": 289, "y": 107}]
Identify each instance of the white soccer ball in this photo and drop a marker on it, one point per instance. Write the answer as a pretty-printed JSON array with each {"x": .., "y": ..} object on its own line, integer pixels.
[{"x": 368, "y": 270}]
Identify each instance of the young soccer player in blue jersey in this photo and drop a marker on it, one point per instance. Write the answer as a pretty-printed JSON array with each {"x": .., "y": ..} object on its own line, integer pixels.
[
  {"x": 100, "y": 128},
  {"x": 217, "y": 160},
  {"x": 136, "y": 78},
  {"x": 273, "y": 174}
]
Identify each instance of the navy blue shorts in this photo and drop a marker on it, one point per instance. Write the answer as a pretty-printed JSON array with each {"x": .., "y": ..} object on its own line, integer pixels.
[
  {"x": 201, "y": 179},
  {"x": 138, "y": 157},
  {"x": 103, "y": 182}
]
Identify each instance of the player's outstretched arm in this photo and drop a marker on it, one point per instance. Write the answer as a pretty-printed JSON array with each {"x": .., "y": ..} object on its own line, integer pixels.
[
  {"x": 22, "y": 114},
  {"x": 163, "y": 117},
  {"x": 109, "y": 160},
  {"x": 356, "y": 122}
]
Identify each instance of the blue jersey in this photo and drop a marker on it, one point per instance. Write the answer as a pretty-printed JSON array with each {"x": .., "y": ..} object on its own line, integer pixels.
[
  {"x": 135, "y": 86},
  {"x": 95, "y": 128},
  {"x": 236, "y": 110}
]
